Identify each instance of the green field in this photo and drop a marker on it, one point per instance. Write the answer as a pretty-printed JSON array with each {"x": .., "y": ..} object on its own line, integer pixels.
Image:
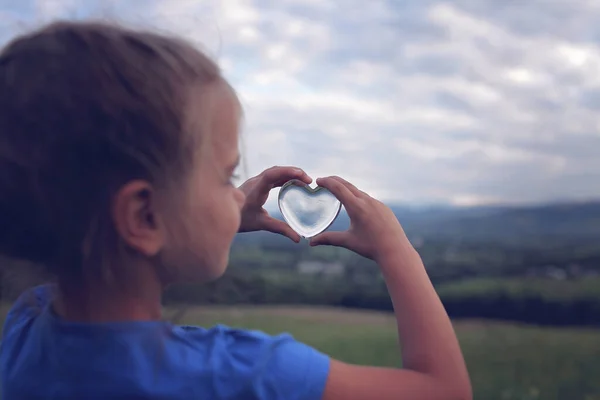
[
  {"x": 506, "y": 361},
  {"x": 515, "y": 288}
]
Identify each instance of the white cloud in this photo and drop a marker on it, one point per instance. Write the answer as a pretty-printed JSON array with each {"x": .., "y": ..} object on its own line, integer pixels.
[{"x": 457, "y": 101}]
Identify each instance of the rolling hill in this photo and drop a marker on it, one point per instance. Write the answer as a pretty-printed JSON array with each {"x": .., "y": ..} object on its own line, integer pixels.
[{"x": 507, "y": 224}]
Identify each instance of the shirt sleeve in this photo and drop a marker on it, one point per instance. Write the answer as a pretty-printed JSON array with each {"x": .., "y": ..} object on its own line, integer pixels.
[
  {"x": 273, "y": 367},
  {"x": 27, "y": 306}
]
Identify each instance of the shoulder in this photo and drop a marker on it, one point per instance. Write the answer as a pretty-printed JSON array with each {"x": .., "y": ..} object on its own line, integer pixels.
[
  {"x": 257, "y": 365},
  {"x": 28, "y": 305},
  {"x": 19, "y": 322}
]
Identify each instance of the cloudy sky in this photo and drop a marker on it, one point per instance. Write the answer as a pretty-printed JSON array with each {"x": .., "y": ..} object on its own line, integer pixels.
[{"x": 420, "y": 101}]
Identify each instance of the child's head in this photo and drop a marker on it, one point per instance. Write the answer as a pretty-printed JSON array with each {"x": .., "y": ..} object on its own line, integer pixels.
[{"x": 116, "y": 151}]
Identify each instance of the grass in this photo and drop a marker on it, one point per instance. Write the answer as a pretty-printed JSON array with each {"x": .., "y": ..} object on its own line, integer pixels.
[
  {"x": 548, "y": 289},
  {"x": 506, "y": 361}
]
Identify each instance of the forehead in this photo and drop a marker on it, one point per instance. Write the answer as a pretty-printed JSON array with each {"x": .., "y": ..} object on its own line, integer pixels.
[{"x": 215, "y": 114}]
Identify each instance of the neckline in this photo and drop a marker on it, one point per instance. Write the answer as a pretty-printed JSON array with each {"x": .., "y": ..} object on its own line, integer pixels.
[{"x": 56, "y": 321}]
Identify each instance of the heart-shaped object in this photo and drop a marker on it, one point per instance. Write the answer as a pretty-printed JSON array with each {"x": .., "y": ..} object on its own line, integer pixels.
[{"x": 307, "y": 211}]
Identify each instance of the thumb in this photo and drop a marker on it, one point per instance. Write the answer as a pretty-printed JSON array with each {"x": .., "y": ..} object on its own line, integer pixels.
[{"x": 339, "y": 239}]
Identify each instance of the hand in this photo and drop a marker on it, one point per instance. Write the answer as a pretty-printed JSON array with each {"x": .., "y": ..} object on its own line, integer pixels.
[
  {"x": 374, "y": 229},
  {"x": 254, "y": 216}
]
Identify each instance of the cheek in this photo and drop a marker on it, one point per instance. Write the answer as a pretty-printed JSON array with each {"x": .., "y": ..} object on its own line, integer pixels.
[
  {"x": 223, "y": 216},
  {"x": 235, "y": 207},
  {"x": 240, "y": 198}
]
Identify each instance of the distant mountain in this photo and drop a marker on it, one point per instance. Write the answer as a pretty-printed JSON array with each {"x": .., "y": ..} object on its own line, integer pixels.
[
  {"x": 576, "y": 221},
  {"x": 568, "y": 221}
]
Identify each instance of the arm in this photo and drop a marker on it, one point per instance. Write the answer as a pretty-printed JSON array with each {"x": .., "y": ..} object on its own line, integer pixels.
[{"x": 433, "y": 366}]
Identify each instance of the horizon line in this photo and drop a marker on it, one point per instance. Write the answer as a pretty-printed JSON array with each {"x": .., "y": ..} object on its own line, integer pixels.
[{"x": 272, "y": 206}]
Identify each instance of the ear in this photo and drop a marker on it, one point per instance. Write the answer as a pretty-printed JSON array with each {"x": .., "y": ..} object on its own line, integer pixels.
[{"x": 136, "y": 218}]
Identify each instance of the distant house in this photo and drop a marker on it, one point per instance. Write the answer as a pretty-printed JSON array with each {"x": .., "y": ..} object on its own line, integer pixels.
[
  {"x": 452, "y": 254},
  {"x": 417, "y": 242},
  {"x": 313, "y": 267},
  {"x": 555, "y": 273}
]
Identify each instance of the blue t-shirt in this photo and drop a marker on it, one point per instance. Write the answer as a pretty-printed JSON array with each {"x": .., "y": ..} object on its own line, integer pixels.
[{"x": 44, "y": 357}]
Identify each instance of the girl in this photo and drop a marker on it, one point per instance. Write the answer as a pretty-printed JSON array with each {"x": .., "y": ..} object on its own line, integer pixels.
[{"x": 117, "y": 149}]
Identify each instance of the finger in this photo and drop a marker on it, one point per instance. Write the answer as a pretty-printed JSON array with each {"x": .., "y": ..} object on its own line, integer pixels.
[
  {"x": 339, "y": 239},
  {"x": 338, "y": 189},
  {"x": 357, "y": 192},
  {"x": 276, "y": 226},
  {"x": 277, "y": 176}
]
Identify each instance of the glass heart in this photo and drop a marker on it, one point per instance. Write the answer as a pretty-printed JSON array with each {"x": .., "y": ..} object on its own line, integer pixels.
[{"x": 307, "y": 211}]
